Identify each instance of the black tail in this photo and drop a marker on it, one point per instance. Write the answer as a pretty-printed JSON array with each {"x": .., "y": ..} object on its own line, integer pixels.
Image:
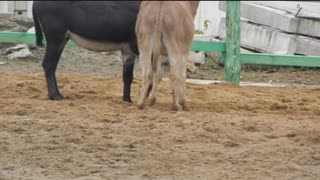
[{"x": 37, "y": 28}]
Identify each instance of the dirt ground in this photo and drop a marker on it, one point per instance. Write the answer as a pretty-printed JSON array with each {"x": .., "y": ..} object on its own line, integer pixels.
[{"x": 230, "y": 132}]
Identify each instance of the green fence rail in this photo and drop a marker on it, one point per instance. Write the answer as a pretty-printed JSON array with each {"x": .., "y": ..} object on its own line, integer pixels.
[
  {"x": 230, "y": 50},
  {"x": 29, "y": 38},
  {"x": 245, "y": 58},
  {"x": 279, "y": 60}
]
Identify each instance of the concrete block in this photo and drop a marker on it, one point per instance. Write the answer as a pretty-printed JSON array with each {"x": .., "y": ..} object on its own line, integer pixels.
[
  {"x": 267, "y": 40},
  {"x": 31, "y": 30},
  {"x": 308, "y": 46},
  {"x": 267, "y": 16},
  {"x": 277, "y": 18},
  {"x": 309, "y": 9},
  {"x": 16, "y": 48},
  {"x": 197, "y": 57},
  {"x": 309, "y": 27},
  {"x": 262, "y": 38},
  {"x": 20, "y": 51}
]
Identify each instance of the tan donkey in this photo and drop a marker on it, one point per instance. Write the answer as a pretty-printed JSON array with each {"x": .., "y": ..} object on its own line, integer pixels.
[{"x": 165, "y": 28}]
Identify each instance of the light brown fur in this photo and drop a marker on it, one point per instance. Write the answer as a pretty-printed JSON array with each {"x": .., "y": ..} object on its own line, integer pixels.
[{"x": 165, "y": 28}]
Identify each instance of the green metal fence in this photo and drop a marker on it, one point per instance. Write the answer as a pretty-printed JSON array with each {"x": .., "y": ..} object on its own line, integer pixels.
[{"x": 230, "y": 50}]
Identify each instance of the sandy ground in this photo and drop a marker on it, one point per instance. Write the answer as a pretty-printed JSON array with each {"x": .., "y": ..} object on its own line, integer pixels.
[{"x": 230, "y": 132}]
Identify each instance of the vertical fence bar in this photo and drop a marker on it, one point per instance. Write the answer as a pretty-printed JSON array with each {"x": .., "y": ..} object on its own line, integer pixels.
[{"x": 232, "y": 65}]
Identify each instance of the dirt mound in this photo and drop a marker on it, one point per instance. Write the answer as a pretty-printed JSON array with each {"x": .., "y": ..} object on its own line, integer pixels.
[{"x": 230, "y": 133}]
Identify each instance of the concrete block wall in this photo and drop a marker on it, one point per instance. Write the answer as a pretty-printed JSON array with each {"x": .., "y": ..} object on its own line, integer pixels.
[
  {"x": 269, "y": 40},
  {"x": 262, "y": 38},
  {"x": 266, "y": 16},
  {"x": 276, "y": 18},
  {"x": 274, "y": 30},
  {"x": 308, "y": 46}
]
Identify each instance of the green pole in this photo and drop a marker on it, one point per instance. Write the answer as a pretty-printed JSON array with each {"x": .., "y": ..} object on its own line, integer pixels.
[{"x": 232, "y": 65}]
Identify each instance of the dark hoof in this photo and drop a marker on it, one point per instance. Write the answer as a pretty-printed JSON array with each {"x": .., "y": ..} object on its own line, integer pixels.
[
  {"x": 127, "y": 100},
  {"x": 186, "y": 107},
  {"x": 175, "y": 108},
  {"x": 152, "y": 101},
  {"x": 56, "y": 97}
]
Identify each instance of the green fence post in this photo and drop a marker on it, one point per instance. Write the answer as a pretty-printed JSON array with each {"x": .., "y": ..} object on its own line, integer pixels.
[{"x": 232, "y": 64}]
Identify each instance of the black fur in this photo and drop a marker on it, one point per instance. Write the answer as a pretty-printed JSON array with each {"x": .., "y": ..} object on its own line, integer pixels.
[{"x": 107, "y": 21}]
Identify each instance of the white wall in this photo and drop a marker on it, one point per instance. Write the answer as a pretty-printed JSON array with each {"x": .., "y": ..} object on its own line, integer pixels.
[
  {"x": 4, "y": 7},
  {"x": 30, "y": 8},
  {"x": 8, "y": 7},
  {"x": 209, "y": 10}
]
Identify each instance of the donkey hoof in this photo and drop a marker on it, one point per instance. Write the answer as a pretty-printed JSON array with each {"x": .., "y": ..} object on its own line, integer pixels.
[
  {"x": 127, "y": 99},
  {"x": 56, "y": 97},
  {"x": 175, "y": 107},
  {"x": 186, "y": 108},
  {"x": 140, "y": 106},
  {"x": 152, "y": 101}
]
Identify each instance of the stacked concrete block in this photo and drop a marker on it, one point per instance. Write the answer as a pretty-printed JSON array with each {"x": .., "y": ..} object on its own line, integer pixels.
[
  {"x": 303, "y": 9},
  {"x": 308, "y": 46},
  {"x": 266, "y": 16},
  {"x": 274, "y": 30},
  {"x": 276, "y": 18},
  {"x": 262, "y": 38}
]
